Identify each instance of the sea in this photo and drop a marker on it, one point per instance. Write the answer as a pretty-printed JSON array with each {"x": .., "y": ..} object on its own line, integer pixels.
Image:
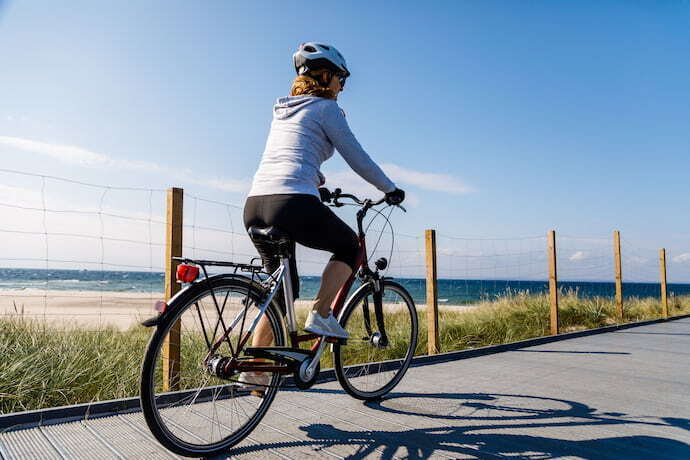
[{"x": 450, "y": 291}]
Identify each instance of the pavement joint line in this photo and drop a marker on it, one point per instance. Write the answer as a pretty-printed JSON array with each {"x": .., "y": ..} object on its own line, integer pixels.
[
  {"x": 403, "y": 425},
  {"x": 308, "y": 421},
  {"x": 3, "y": 454},
  {"x": 31, "y": 419},
  {"x": 351, "y": 423},
  {"x": 585, "y": 421},
  {"x": 377, "y": 449},
  {"x": 284, "y": 433},
  {"x": 249, "y": 438},
  {"x": 290, "y": 417},
  {"x": 52, "y": 444},
  {"x": 102, "y": 440},
  {"x": 146, "y": 435}
]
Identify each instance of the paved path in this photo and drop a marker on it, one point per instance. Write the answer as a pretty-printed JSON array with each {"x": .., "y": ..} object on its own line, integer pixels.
[{"x": 623, "y": 394}]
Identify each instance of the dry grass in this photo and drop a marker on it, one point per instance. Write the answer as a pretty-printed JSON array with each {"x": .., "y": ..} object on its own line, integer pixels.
[{"x": 45, "y": 367}]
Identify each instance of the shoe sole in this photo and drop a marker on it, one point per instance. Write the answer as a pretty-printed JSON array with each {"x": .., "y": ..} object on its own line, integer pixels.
[{"x": 327, "y": 335}]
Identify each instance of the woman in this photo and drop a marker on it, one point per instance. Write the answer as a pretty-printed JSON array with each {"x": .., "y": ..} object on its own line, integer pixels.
[{"x": 306, "y": 127}]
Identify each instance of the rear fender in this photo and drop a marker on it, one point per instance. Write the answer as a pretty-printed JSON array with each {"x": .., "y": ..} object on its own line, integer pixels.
[{"x": 188, "y": 292}]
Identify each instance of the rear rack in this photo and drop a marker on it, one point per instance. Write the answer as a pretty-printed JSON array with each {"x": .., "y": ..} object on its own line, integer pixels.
[{"x": 250, "y": 267}]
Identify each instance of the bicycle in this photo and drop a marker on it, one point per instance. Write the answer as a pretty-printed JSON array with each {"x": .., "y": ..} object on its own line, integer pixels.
[{"x": 203, "y": 409}]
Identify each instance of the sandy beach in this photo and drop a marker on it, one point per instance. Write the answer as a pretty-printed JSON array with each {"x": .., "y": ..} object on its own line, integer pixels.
[{"x": 95, "y": 309}]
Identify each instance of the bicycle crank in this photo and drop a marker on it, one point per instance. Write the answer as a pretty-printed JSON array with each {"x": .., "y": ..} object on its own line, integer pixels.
[
  {"x": 307, "y": 374},
  {"x": 308, "y": 371}
]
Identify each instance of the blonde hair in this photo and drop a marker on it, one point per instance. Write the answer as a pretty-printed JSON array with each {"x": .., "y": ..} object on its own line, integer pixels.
[{"x": 308, "y": 85}]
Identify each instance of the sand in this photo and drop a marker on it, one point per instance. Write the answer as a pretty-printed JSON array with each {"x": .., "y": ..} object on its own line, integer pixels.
[{"x": 95, "y": 310}]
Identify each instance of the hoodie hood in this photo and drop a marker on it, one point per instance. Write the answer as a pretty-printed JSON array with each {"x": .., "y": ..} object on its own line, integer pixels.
[{"x": 287, "y": 106}]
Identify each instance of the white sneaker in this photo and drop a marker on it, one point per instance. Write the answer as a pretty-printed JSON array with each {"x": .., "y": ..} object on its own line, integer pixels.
[
  {"x": 256, "y": 381},
  {"x": 317, "y": 324}
]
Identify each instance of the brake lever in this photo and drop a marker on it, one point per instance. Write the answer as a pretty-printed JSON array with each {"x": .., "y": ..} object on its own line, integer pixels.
[{"x": 401, "y": 207}]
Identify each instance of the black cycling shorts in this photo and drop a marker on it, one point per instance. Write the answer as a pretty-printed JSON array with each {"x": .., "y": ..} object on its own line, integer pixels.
[{"x": 308, "y": 222}]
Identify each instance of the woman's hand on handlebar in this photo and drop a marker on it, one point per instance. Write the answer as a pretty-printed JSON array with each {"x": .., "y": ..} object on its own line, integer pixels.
[
  {"x": 395, "y": 197},
  {"x": 325, "y": 195}
]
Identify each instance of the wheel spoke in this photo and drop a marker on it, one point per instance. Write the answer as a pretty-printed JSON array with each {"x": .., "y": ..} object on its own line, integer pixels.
[
  {"x": 365, "y": 368},
  {"x": 192, "y": 419},
  {"x": 201, "y": 322}
]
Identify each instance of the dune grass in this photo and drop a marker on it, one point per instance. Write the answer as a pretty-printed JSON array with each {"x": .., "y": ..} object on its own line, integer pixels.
[
  {"x": 42, "y": 366},
  {"x": 520, "y": 316}
]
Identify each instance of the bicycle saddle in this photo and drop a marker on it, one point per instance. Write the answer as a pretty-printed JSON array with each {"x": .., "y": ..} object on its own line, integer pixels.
[{"x": 272, "y": 234}]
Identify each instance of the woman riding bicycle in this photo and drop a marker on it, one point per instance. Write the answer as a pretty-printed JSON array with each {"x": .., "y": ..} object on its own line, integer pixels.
[{"x": 285, "y": 193}]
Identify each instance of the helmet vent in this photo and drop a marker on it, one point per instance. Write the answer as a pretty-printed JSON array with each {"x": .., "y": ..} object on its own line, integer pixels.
[
  {"x": 310, "y": 49},
  {"x": 326, "y": 47}
]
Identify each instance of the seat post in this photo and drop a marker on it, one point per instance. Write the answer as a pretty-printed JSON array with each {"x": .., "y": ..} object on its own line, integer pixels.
[{"x": 287, "y": 290}]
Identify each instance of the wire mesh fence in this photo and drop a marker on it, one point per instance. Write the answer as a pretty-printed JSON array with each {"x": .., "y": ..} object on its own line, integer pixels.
[
  {"x": 77, "y": 251},
  {"x": 480, "y": 269},
  {"x": 91, "y": 258},
  {"x": 586, "y": 265}
]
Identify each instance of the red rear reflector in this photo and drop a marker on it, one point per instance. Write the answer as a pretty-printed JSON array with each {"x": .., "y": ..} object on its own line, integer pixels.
[
  {"x": 161, "y": 306},
  {"x": 187, "y": 273}
]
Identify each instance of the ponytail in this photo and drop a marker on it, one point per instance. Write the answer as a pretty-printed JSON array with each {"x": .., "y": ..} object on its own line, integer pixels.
[{"x": 309, "y": 86}]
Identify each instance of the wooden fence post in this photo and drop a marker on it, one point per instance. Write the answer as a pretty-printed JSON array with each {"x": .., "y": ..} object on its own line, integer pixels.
[
  {"x": 619, "y": 272},
  {"x": 662, "y": 267},
  {"x": 553, "y": 281},
  {"x": 431, "y": 293},
  {"x": 173, "y": 248}
]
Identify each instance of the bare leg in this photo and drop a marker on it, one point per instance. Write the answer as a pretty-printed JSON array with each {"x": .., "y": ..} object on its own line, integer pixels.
[
  {"x": 263, "y": 336},
  {"x": 334, "y": 277}
]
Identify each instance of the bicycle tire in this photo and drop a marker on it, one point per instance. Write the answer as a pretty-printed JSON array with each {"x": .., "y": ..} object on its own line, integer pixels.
[
  {"x": 153, "y": 413},
  {"x": 347, "y": 371}
]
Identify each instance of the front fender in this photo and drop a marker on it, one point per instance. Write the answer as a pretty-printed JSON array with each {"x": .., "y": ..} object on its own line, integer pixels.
[{"x": 352, "y": 296}]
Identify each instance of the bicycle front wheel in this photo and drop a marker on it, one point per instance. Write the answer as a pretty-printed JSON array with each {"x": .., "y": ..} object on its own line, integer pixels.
[
  {"x": 193, "y": 412},
  {"x": 366, "y": 368}
]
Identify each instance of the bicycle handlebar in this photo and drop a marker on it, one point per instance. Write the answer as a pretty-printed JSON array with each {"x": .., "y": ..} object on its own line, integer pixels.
[{"x": 338, "y": 193}]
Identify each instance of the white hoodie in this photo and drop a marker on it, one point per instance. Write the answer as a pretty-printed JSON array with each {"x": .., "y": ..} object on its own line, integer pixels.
[{"x": 304, "y": 132}]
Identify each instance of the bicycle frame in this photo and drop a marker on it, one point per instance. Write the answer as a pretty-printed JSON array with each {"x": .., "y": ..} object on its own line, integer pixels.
[{"x": 282, "y": 275}]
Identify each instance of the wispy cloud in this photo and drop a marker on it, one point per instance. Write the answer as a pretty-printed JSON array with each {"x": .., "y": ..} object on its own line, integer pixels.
[
  {"x": 426, "y": 180},
  {"x": 579, "y": 255},
  {"x": 682, "y": 258},
  {"x": 64, "y": 153},
  {"x": 79, "y": 156},
  {"x": 87, "y": 158},
  {"x": 349, "y": 180}
]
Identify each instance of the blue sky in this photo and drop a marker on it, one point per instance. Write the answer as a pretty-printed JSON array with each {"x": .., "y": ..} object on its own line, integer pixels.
[{"x": 500, "y": 119}]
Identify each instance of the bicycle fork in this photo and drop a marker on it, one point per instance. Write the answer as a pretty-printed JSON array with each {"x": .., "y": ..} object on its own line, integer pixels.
[{"x": 378, "y": 339}]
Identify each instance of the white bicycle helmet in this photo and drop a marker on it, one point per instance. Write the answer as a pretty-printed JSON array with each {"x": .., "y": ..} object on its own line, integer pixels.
[{"x": 317, "y": 56}]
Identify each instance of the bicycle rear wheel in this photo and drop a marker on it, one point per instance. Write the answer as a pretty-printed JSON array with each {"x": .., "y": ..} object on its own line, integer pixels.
[
  {"x": 206, "y": 415},
  {"x": 366, "y": 369}
]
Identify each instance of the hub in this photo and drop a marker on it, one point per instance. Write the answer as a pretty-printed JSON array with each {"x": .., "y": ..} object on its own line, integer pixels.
[
  {"x": 218, "y": 366},
  {"x": 307, "y": 374},
  {"x": 378, "y": 340}
]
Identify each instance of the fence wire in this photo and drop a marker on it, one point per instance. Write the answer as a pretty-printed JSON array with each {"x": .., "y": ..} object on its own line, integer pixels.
[
  {"x": 95, "y": 252},
  {"x": 78, "y": 253},
  {"x": 472, "y": 270}
]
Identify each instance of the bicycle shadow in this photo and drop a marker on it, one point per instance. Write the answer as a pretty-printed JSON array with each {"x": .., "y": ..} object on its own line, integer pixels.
[{"x": 454, "y": 430}]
